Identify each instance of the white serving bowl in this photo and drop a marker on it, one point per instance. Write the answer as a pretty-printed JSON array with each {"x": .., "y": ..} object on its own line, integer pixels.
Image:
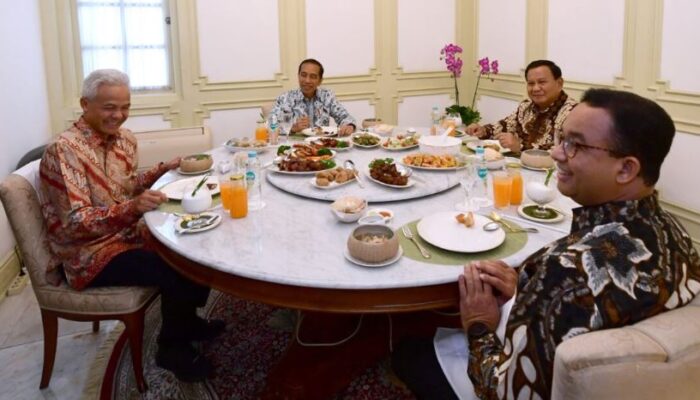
[
  {"x": 439, "y": 145},
  {"x": 349, "y": 208},
  {"x": 197, "y": 204}
]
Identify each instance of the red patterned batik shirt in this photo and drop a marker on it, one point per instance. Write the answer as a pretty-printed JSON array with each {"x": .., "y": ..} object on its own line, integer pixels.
[{"x": 88, "y": 183}]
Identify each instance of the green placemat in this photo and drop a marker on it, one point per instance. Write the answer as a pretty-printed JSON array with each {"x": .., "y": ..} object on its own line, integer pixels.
[
  {"x": 514, "y": 242},
  {"x": 174, "y": 206}
]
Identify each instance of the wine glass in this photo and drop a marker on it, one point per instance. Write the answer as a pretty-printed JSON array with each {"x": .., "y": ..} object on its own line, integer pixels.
[
  {"x": 468, "y": 179},
  {"x": 541, "y": 194}
]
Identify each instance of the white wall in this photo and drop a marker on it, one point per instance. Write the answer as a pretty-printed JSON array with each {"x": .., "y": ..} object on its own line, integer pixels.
[
  {"x": 23, "y": 105},
  {"x": 424, "y": 27}
]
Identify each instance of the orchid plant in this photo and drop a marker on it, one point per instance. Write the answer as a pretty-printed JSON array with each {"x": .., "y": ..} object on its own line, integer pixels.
[{"x": 451, "y": 53}]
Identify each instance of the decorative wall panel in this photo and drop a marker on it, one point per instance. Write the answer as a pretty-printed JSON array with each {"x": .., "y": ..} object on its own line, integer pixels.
[
  {"x": 493, "y": 109},
  {"x": 234, "y": 123},
  {"x": 679, "y": 63},
  {"x": 238, "y": 39},
  {"x": 424, "y": 27},
  {"x": 340, "y": 34},
  {"x": 586, "y": 39},
  {"x": 501, "y": 33},
  {"x": 415, "y": 110},
  {"x": 139, "y": 123}
]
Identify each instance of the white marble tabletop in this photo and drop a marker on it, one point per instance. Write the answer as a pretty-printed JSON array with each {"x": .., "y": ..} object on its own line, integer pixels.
[{"x": 298, "y": 241}]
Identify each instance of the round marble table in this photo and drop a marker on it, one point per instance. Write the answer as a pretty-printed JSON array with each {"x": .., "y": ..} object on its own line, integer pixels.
[{"x": 290, "y": 254}]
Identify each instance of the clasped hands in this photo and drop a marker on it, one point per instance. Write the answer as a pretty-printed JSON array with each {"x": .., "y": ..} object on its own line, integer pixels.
[
  {"x": 483, "y": 288},
  {"x": 303, "y": 122}
]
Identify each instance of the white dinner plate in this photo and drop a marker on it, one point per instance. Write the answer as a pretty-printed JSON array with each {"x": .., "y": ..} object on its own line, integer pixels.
[
  {"x": 444, "y": 231},
  {"x": 234, "y": 149},
  {"x": 379, "y": 141},
  {"x": 459, "y": 166},
  {"x": 213, "y": 219},
  {"x": 472, "y": 145},
  {"x": 399, "y": 148},
  {"x": 174, "y": 190},
  {"x": 390, "y": 261},
  {"x": 276, "y": 169},
  {"x": 202, "y": 172},
  {"x": 315, "y": 138},
  {"x": 410, "y": 182},
  {"x": 320, "y": 131},
  {"x": 331, "y": 185},
  {"x": 559, "y": 217}
]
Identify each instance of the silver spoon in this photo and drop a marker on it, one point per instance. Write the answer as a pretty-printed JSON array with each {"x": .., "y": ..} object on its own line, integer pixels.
[
  {"x": 491, "y": 226},
  {"x": 351, "y": 166}
]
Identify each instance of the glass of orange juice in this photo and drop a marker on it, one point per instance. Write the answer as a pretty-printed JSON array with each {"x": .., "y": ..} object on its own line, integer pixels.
[
  {"x": 502, "y": 183},
  {"x": 261, "y": 131},
  {"x": 237, "y": 197},
  {"x": 516, "y": 187}
]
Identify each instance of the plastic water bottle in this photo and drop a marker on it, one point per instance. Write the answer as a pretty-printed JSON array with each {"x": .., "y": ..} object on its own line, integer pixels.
[
  {"x": 482, "y": 190},
  {"x": 435, "y": 117},
  {"x": 253, "y": 182},
  {"x": 274, "y": 129}
]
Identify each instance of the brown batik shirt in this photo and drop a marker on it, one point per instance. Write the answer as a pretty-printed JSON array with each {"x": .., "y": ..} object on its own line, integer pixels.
[
  {"x": 536, "y": 129},
  {"x": 623, "y": 262}
]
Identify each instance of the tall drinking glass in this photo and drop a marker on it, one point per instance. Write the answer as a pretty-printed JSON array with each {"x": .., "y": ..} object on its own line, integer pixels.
[
  {"x": 285, "y": 121},
  {"x": 468, "y": 179}
]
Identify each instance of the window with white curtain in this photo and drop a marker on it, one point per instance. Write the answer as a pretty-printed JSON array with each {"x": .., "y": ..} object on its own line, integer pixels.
[{"x": 128, "y": 35}]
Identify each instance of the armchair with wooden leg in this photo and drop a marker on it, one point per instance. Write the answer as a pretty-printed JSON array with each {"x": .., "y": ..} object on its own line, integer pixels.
[{"x": 127, "y": 304}]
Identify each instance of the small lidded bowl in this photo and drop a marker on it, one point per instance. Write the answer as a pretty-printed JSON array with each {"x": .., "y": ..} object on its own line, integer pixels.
[
  {"x": 373, "y": 243},
  {"x": 349, "y": 208},
  {"x": 196, "y": 163},
  {"x": 536, "y": 158}
]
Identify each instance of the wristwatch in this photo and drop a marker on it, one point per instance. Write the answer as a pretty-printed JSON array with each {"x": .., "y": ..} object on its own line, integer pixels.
[{"x": 477, "y": 330}]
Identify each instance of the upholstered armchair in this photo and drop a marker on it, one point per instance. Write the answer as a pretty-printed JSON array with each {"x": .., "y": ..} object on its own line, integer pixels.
[
  {"x": 128, "y": 304},
  {"x": 658, "y": 358}
]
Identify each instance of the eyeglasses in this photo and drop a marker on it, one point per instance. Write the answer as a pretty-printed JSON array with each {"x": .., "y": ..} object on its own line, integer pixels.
[{"x": 571, "y": 147}]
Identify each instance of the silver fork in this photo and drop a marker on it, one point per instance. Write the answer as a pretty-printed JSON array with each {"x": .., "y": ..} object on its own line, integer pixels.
[{"x": 409, "y": 235}]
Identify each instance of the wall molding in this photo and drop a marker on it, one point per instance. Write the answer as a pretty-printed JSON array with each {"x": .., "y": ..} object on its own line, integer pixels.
[{"x": 690, "y": 219}]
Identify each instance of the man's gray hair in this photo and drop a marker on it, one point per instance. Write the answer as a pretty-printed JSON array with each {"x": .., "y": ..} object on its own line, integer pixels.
[{"x": 100, "y": 77}]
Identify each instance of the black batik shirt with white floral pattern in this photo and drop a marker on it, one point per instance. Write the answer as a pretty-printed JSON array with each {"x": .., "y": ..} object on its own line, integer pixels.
[
  {"x": 320, "y": 108},
  {"x": 623, "y": 262}
]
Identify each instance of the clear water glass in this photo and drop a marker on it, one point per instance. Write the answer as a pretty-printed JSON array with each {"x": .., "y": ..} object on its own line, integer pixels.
[
  {"x": 285, "y": 121},
  {"x": 468, "y": 179}
]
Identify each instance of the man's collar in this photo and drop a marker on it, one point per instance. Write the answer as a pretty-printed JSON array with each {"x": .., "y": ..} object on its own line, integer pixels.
[
  {"x": 554, "y": 106},
  {"x": 614, "y": 211},
  {"x": 92, "y": 137}
]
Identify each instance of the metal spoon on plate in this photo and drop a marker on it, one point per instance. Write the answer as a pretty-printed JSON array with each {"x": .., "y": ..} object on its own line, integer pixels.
[{"x": 348, "y": 164}]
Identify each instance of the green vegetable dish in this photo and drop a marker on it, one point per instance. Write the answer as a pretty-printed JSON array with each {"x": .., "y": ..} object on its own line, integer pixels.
[
  {"x": 282, "y": 149},
  {"x": 366, "y": 140}
]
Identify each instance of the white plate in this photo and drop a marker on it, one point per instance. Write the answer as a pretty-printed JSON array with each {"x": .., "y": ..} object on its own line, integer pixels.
[
  {"x": 554, "y": 220},
  {"x": 354, "y": 143},
  {"x": 333, "y": 153},
  {"x": 444, "y": 231},
  {"x": 235, "y": 149},
  {"x": 333, "y": 131},
  {"x": 390, "y": 261},
  {"x": 348, "y": 141},
  {"x": 474, "y": 143},
  {"x": 215, "y": 220},
  {"x": 410, "y": 182},
  {"x": 174, "y": 189},
  {"x": 275, "y": 168},
  {"x": 179, "y": 171},
  {"x": 398, "y": 148},
  {"x": 433, "y": 168},
  {"x": 332, "y": 185}
]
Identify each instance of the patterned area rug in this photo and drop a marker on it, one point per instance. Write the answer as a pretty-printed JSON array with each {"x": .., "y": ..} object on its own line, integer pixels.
[{"x": 256, "y": 336}]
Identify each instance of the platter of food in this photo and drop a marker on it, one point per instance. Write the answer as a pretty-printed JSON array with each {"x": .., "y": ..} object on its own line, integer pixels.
[
  {"x": 386, "y": 172},
  {"x": 329, "y": 143},
  {"x": 332, "y": 178},
  {"x": 400, "y": 142},
  {"x": 445, "y": 162},
  {"x": 246, "y": 144},
  {"x": 323, "y": 131},
  {"x": 487, "y": 144},
  {"x": 366, "y": 140}
]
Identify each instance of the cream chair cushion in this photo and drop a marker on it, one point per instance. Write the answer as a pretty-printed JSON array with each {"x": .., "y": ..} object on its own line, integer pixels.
[
  {"x": 23, "y": 211},
  {"x": 658, "y": 358}
]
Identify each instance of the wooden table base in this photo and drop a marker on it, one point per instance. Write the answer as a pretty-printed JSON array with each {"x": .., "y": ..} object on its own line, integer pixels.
[{"x": 320, "y": 372}]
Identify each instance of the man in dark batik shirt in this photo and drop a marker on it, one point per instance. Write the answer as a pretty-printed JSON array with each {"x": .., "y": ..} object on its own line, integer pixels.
[
  {"x": 537, "y": 122},
  {"x": 625, "y": 259}
]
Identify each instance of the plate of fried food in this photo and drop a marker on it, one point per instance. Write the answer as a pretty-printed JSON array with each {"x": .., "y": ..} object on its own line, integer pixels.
[
  {"x": 332, "y": 178},
  {"x": 329, "y": 143},
  {"x": 246, "y": 144},
  {"x": 298, "y": 166},
  {"x": 309, "y": 152},
  {"x": 386, "y": 172},
  {"x": 401, "y": 142},
  {"x": 444, "y": 162}
]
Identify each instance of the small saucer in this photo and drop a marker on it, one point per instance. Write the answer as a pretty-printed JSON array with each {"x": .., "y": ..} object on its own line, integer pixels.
[
  {"x": 215, "y": 220},
  {"x": 179, "y": 171},
  {"x": 390, "y": 261},
  {"x": 557, "y": 218},
  {"x": 386, "y": 214}
]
